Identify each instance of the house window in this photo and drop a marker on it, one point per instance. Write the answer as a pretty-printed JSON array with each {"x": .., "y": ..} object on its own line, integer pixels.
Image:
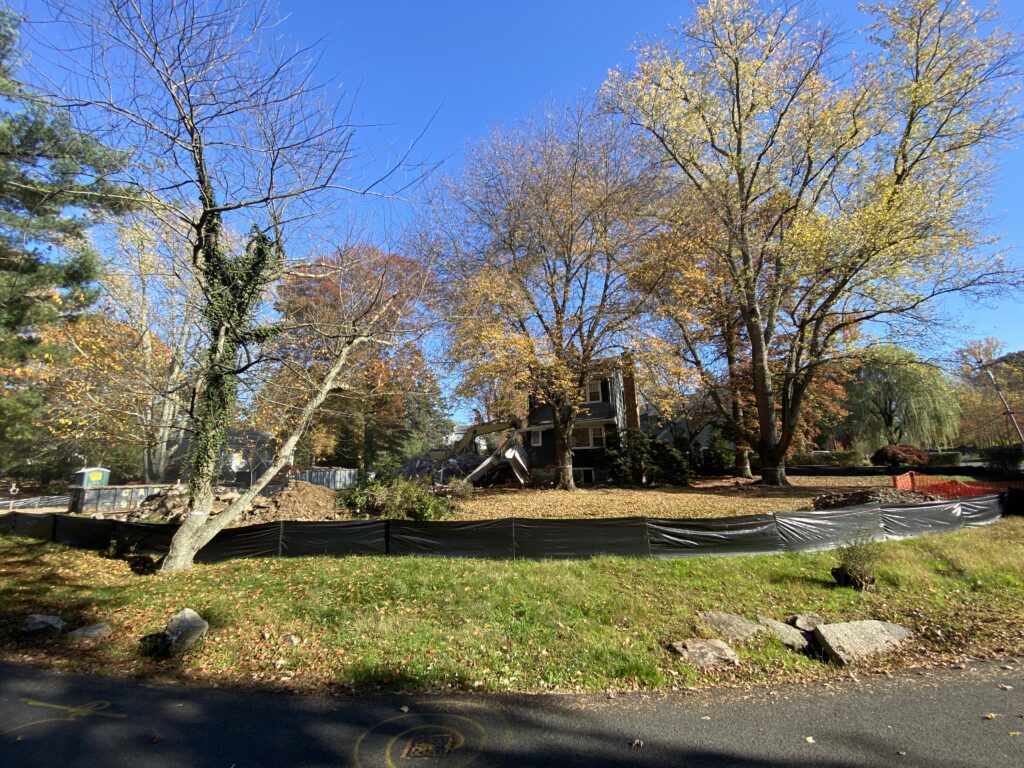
[
  {"x": 588, "y": 437},
  {"x": 594, "y": 391},
  {"x": 583, "y": 475},
  {"x": 536, "y": 438}
]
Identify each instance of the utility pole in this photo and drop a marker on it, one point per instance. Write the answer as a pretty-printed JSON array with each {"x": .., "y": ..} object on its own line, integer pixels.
[{"x": 1002, "y": 397}]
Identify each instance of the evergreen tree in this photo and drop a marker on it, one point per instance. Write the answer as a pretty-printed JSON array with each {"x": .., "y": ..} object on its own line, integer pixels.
[{"x": 54, "y": 183}]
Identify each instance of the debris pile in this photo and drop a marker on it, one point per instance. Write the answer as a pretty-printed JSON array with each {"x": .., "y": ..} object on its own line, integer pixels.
[
  {"x": 170, "y": 505},
  {"x": 297, "y": 500},
  {"x": 870, "y": 496}
]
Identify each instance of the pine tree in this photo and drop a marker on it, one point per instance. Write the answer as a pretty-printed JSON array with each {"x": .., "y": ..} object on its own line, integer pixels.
[{"x": 54, "y": 183}]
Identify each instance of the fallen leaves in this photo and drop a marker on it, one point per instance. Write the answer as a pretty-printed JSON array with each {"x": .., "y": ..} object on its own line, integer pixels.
[{"x": 708, "y": 498}]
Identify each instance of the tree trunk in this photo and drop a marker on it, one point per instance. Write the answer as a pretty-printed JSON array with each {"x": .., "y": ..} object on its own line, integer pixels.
[
  {"x": 741, "y": 468},
  {"x": 773, "y": 466},
  {"x": 199, "y": 528},
  {"x": 563, "y": 459},
  {"x": 207, "y": 438}
]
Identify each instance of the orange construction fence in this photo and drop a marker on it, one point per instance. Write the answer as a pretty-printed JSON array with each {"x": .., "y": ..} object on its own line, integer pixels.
[{"x": 950, "y": 489}]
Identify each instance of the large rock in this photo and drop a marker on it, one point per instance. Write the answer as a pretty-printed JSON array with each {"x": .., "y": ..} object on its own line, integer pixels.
[
  {"x": 806, "y": 622},
  {"x": 848, "y": 641},
  {"x": 703, "y": 653},
  {"x": 182, "y": 632},
  {"x": 41, "y": 622},
  {"x": 90, "y": 632},
  {"x": 731, "y": 626},
  {"x": 787, "y": 635}
]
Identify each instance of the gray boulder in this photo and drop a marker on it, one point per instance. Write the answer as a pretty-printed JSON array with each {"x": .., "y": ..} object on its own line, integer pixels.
[
  {"x": 806, "y": 622},
  {"x": 182, "y": 632},
  {"x": 731, "y": 626},
  {"x": 90, "y": 632},
  {"x": 849, "y": 641},
  {"x": 41, "y": 622},
  {"x": 704, "y": 654},
  {"x": 789, "y": 636}
]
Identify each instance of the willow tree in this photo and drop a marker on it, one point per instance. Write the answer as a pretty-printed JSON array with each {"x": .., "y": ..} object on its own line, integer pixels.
[
  {"x": 536, "y": 236},
  {"x": 841, "y": 192},
  {"x": 895, "y": 397}
]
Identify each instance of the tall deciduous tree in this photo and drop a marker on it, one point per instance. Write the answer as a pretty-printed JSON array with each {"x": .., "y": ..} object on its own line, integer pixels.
[
  {"x": 536, "y": 235},
  {"x": 385, "y": 404},
  {"x": 836, "y": 199},
  {"x": 146, "y": 285}
]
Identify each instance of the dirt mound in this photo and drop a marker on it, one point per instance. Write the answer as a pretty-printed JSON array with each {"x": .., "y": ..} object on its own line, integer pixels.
[
  {"x": 869, "y": 496},
  {"x": 298, "y": 500}
]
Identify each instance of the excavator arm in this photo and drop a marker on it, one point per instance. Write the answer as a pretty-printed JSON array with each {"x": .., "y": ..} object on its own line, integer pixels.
[{"x": 465, "y": 443}]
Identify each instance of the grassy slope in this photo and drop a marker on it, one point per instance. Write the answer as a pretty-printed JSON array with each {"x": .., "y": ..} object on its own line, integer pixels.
[{"x": 416, "y": 623}]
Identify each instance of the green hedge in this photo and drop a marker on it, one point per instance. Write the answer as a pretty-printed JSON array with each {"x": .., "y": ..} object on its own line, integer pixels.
[
  {"x": 1004, "y": 456},
  {"x": 833, "y": 459},
  {"x": 945, "y": 459}
]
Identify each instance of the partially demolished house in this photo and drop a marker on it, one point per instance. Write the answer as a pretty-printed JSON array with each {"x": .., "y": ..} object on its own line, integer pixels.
[
  {"x": 610, "y": 404},
  {"x": 526, "y": 454}
]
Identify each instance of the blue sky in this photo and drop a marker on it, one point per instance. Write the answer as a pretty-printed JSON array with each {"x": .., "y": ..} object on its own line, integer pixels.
[
  {"x": 456, "y": 69},
  {"x": 451, "y": 70}
]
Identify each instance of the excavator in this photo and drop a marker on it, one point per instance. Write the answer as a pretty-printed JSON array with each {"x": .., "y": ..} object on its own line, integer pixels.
[{"x": 450, "y": 462}]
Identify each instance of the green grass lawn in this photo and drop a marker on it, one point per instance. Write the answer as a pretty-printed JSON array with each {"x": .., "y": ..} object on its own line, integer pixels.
[{"x": 424, "y": 624}]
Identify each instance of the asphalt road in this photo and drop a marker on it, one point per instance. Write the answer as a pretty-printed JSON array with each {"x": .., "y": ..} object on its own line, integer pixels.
[{"x": 936, "y": 719}]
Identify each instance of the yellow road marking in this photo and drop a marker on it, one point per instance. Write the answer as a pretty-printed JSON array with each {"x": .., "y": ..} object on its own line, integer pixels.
[{"x": 70, "y": 713}]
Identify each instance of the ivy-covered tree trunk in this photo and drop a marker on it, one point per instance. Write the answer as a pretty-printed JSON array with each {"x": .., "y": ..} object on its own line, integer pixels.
[
  {"x": 215, "y": 401},
  {"x": 232, "y": 288}
]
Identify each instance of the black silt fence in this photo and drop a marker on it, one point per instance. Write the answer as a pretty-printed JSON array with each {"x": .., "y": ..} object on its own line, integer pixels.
[
  {"x": 751, "y": 534},
  {"x": 810, "y": 531},
  {"x": 519, "y": 538}
]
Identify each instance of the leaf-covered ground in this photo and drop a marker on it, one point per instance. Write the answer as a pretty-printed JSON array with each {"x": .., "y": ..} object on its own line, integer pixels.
[
  {"x": 396, "y": 623},
  {"x": 707, "y": 498}
]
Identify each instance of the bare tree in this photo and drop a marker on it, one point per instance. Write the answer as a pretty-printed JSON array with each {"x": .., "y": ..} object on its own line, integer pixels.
[{"x": 228, "y": 128}]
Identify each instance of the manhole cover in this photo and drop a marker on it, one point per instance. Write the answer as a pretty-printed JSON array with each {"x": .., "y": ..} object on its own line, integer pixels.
[{"x": 427, "y": 746}]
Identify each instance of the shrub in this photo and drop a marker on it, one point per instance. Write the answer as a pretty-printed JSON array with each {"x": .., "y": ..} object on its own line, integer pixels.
[
  {"x": 945, "y": 459},
  {"x": 809, "y": 459},
  {"x": 858, "y": 561},
  {"x": 636, "y": 458},
  {"x": 670, "y": 466},
  {"x": 896, "y": 455},
  {"x": 460, "y": 489},
  {"x": 629, "y": 457},
  {"x": 718, "y": 458},
  {"x": 397, "y": 500},
  {"x": 829, "y": 459},
  {"x": 849, "y": 458},
  {"x": 1004, "y": 456}
]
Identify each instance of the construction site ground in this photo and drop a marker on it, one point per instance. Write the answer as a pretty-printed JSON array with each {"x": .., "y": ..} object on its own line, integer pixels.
[
  {"x": 716, "y": 497},
  {"x": 708, "y": 497}
]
